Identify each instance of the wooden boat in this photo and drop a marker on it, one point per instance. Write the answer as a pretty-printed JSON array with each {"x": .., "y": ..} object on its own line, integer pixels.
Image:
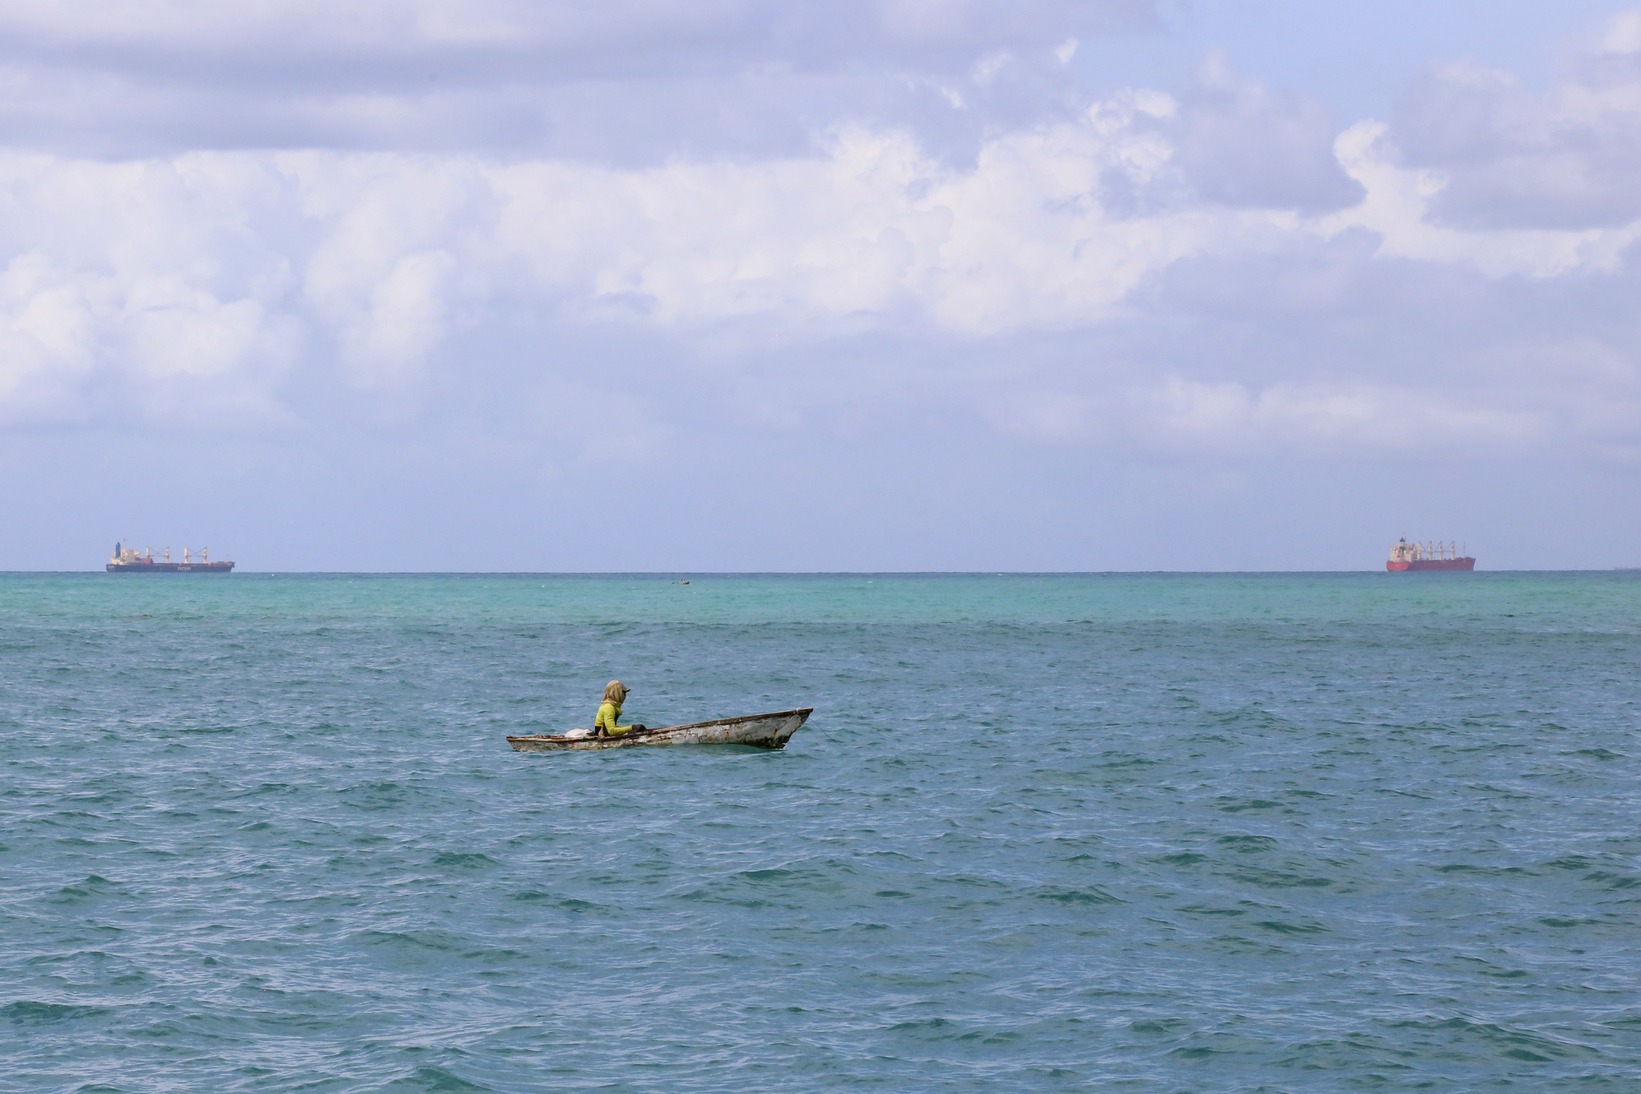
[{"x": 760, "y": 730}]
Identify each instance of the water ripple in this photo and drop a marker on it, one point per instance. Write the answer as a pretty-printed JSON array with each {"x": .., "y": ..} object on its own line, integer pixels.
[{"x": 1252, "y": 832}]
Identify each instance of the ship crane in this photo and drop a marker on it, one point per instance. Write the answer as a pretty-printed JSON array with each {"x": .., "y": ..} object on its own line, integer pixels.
[
  {"x": 1440, "y": 554},
  {"x": 127, "y": 560}
]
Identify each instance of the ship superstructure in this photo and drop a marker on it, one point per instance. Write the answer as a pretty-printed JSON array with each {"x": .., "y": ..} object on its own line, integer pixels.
[
  {"x": 128, "y": 560},
  {"x": 1413, "y": 557}
]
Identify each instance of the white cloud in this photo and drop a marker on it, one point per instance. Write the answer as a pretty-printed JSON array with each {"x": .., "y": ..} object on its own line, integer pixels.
[
  {"x": 622, "y": 81},
  {"x": 1623, "y": 34},
  {"x": 1237, "y": 416},
  {"x": 1568, "y": 157},
  {"x": 1242, "y": 144},
  {"x": 403, "y": 321},
  {"x": 255, "y": 270},
  {"x": 151, "y": 271},
  {"x": 47, "y": 339},
  {"x": 173, "y": 330},
  {"x": 376, "y": 26},
  {"x": 1172, "y": 415},
  {"x": 1398, "y": 207}
]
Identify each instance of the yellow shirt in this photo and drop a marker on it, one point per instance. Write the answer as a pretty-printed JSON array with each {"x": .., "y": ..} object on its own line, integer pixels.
[{"x": 607, "y": 715}]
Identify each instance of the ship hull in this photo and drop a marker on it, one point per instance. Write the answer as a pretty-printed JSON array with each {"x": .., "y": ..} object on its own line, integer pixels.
[
  {"x": 168, "y": 567},
  {"x": 1430, "y": 564}
]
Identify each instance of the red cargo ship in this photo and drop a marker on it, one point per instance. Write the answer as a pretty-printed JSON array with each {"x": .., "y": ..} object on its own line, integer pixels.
[
  {"x": 128, "y": 561},
  {"x": 1405, "y": 557}
]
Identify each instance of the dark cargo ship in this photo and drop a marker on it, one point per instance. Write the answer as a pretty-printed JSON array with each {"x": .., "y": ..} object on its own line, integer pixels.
[
  {"x": 1408, "y": 557},
  {"x": 128, "y": 561}
]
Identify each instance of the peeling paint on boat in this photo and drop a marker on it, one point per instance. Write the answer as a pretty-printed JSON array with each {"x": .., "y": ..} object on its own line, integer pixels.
[{"x": 760, "y": 730}]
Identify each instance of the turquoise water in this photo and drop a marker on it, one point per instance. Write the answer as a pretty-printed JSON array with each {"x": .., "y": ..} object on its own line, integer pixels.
[{"x": 1147, "y": 832}]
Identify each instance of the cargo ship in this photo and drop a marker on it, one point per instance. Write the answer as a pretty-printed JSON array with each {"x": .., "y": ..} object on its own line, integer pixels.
[
  {"x": 127, "y": 560},
  {"x": 1413, "y": 557}
]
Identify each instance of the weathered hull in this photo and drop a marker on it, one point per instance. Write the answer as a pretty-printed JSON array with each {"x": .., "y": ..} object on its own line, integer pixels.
[
  {"x": 168, "y": 567},
  {"x": 1422, "y": 565},
  {"x": 759, "y": 730}
]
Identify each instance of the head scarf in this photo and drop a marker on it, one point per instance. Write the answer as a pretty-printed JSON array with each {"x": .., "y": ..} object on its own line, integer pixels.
[{"x": 615, "y": 692}]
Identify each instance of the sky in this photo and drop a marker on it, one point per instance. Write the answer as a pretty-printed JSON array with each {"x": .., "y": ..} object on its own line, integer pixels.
[{"x": 881, "y": 285}]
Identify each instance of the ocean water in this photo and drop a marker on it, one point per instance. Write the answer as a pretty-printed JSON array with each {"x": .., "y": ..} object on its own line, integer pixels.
[{"x": 1125, "y": 832}]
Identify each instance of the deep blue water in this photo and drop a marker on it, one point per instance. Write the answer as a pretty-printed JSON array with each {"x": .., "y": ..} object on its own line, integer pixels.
[{"x": 1147, "y": 832}]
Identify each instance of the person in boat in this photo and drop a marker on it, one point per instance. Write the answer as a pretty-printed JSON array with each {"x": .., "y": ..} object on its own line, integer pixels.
[{"x": 609, "y": 712}]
